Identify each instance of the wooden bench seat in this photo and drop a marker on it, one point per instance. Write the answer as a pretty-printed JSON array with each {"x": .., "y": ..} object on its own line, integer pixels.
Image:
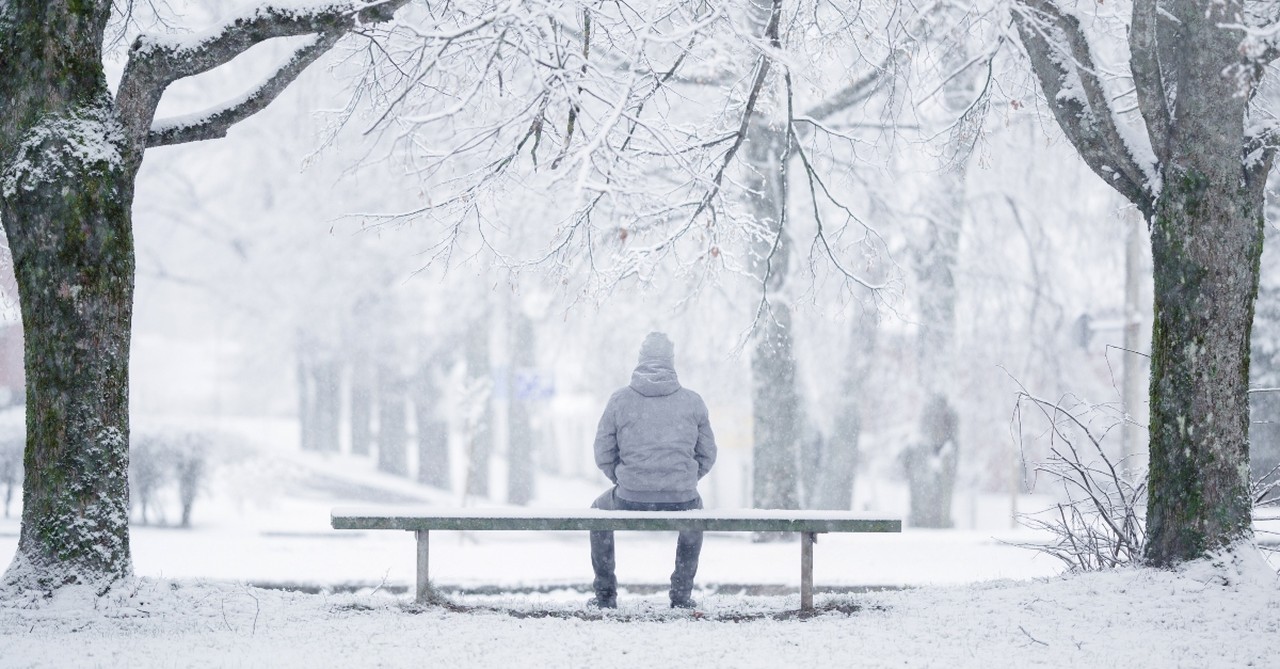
[{"x": 421, "y": 520}]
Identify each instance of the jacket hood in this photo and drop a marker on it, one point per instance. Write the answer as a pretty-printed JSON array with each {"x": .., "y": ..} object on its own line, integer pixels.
[{"x": 655, "y": 378}]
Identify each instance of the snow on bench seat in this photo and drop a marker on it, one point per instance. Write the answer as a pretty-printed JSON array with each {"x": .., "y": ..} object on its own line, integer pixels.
[{"x": 734, "y": 520}]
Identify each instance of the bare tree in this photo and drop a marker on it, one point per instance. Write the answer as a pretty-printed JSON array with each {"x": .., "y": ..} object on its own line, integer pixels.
[
  {"x": 71, "y": 152},
  {"x": 1195, "y": 165},
  {"x": 632, "y": 123},
  {"x": 932, "y": 461}
]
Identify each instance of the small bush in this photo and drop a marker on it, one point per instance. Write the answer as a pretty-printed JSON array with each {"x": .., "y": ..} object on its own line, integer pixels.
[
  {"x": 1100, "y": 524},
  {"x": 165, "y": 463}
]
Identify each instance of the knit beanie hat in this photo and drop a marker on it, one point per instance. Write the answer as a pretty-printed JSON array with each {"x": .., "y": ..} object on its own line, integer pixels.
[{"x": 657, "y": 347}]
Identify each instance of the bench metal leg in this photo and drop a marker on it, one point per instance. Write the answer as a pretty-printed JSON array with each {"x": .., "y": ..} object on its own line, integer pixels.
[
  {"x": 806, "y": 570},
  {"x": 423, "y": 562}
]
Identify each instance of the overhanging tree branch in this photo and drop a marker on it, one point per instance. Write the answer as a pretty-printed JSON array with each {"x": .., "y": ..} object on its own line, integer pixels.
[
  {"x": 857, "y": 90},
  {"x": 154, "y": 63},
  {"x": 213, "y": 124},
  {"x": 1148, "y": 81},
  {"x": 1062, "y": 62}
]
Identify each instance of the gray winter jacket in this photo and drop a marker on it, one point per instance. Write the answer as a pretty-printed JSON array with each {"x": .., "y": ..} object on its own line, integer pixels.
[{"x": 655, "y": 440}]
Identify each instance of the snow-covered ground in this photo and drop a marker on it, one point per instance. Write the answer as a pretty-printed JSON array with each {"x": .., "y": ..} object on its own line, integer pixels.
[
  {"x": 518, "y": 599},
  {"x": 1224, "y": 613}
]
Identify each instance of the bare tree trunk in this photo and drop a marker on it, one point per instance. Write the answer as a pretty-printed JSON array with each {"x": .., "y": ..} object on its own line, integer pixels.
[
  {"x": 306, "y": 396},
  {"x": 1193, "y": 80},
  {"x": 840, "y": 457},
  {"x": 319, "y": 398},
  {"x": 775, "y": 458},
  {"x": 1206, "y": 242},
  {"x": 363, "y": 376},
  {"x": 775, "y": 399},
  {"x": 433, "y": 432},
  {"x": 190, "y": 474},
  {"x": 480, "y": 375},
  {"x": 393, "y": 433},
  {"x": 932, "y": 461},
  {"x": 931, "y": 466},
  {"x": 1206, "y": 245},
  {"x": 327, "y": 396},
  {"x": 67, "y": 214},
  {"x": 520, "y": 443},
  {"x": 362, "y": 379}
]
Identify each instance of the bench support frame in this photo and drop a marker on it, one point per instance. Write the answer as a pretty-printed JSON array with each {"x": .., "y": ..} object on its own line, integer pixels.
[
  {"x": 807, "y": 539},
  {"x": 424, "y": 566},
  {"x": 806, "y": 570}
]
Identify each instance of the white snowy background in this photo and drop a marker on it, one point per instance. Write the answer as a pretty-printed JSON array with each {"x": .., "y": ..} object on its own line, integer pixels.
[{"x": 245, "y": 242}]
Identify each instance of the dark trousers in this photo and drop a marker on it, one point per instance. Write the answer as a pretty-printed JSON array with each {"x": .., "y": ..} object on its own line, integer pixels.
[{"x": 603, "y": 559}]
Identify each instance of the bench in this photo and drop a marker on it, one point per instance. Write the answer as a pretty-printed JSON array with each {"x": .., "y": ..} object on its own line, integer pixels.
[{"x": 421, "y": 520}]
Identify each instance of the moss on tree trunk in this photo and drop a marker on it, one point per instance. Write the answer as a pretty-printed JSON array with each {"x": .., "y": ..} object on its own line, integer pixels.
[
  {"x": 65, "y": 194},
  {"x": 1206, "y": 242}
]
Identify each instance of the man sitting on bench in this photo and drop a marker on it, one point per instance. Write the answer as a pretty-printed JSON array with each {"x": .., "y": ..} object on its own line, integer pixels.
[{"x": 654, "y": 443}]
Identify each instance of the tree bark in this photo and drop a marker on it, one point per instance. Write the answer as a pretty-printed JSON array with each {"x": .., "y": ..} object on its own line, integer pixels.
[
  {"x": 1206, "y": 244},
  {"x": 65, "y": 195}
]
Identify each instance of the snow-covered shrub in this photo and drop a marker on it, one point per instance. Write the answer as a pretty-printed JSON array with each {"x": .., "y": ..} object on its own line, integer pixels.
[
  {"x": 168, "y": 462},
  {"x": 146, "y": 473},
  {"x": 1100, "y": 522}
]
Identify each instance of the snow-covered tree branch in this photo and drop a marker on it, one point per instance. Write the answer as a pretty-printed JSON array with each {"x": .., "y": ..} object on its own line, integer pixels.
[
  {"x": 1064, "y": 65},
  {"x": 155, "y": 62}
]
